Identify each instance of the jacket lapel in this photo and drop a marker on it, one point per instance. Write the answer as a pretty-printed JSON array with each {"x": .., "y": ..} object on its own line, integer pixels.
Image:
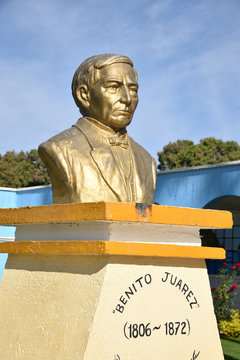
[{"x": 102, "y": 156}]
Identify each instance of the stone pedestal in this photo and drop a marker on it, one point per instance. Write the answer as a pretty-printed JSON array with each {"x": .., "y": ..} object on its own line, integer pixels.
[{"x": 108, "y": 282}]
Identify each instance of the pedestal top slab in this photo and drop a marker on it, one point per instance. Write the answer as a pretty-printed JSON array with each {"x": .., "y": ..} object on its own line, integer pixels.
[{"x": 123, "y": 212}]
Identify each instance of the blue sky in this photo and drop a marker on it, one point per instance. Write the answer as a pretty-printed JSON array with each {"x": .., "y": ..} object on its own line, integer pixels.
[{"x": 187, "y": 54}]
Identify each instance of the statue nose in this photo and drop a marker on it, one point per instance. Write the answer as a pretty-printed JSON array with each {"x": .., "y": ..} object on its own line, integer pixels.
[{"x": 125, "y": 96}]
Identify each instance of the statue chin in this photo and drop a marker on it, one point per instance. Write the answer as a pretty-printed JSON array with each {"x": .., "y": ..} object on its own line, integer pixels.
[{"x": 120, "y": 122}]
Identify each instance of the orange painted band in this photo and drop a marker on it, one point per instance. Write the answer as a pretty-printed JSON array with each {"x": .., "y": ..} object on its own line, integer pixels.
[
  {"x": 128, "y": 212},
  {"x": 110, "y": 248}
]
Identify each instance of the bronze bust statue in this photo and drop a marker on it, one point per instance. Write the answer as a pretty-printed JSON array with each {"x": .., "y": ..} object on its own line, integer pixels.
[{"x": 96, "y": 160}]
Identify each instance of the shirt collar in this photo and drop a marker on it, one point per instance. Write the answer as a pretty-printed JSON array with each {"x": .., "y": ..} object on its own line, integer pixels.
[{"x": 106, "y": 128}]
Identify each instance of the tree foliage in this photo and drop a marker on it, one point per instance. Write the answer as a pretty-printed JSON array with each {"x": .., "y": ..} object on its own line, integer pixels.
[
  {"x": 22, "y": 170},
  {"x": 184, "y": 153}
]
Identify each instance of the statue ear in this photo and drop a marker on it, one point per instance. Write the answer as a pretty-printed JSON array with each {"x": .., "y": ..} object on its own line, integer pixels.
[{"x": 82, "y": 93}]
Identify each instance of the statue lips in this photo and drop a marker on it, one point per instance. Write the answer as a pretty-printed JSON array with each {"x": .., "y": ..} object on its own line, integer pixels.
[{"x": 124, "y": 113}]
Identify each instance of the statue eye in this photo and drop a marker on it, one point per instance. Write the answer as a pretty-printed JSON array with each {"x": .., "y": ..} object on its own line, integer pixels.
[
  {"x": 133, "y": 89},
  {"x": 112, "y": 87}
]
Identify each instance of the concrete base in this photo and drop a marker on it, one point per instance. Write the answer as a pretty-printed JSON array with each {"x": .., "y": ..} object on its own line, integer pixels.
[
  {"x": 106, "y": 308},
  {"x": 134, "y": 285}
]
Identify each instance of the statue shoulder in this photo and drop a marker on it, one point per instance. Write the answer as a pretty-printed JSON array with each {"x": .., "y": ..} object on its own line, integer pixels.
[
  {"x": 62, "y": 141},
  {"x": 62, "y": 137},
  {"x": 54, "y": 153},
  {"x": 146, "y": 159},
  {"x": 140, "y": 150}
]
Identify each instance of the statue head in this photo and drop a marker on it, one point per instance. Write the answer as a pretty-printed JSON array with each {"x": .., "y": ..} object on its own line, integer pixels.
[{"x": 105, "y": 87}]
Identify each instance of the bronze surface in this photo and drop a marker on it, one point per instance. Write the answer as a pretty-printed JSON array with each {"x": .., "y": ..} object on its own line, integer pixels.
[{"x": 96, "y": 160}]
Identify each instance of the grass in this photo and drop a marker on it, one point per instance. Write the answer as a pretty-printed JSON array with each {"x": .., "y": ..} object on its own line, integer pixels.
[{"x": 231, "y": 348}]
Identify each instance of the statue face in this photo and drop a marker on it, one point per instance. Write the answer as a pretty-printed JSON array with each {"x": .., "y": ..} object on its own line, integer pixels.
[{"x": 113, "y": 99}]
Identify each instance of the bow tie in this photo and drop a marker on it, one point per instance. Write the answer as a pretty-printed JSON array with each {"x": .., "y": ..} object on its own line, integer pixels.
[{"x": 118, "y": 141}]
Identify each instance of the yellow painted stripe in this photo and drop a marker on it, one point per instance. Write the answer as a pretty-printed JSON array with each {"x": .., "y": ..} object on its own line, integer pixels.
[
  {"x": 111, "y": 248},
  {"x": 171, "y": 215},
  {"x": 130, "y": 212}
]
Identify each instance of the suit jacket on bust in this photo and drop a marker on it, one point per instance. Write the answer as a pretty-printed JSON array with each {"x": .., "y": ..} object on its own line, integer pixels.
[{"x": 83, "y": 167}]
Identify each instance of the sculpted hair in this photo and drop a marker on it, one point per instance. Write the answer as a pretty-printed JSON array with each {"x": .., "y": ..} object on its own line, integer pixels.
[{"x": 88, "y": 72}]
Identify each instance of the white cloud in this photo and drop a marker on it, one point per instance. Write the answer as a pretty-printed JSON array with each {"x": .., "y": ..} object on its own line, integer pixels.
[{"x": 187, "y": 55}]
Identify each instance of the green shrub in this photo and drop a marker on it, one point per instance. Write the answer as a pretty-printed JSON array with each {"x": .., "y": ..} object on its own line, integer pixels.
[
  {"x": 224, "y": 295},
  {"x": 231, "y": 327}
]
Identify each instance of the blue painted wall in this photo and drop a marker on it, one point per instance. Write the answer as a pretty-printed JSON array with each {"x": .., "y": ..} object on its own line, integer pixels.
[
  {"x": 33, "y": 196},
  {"x": 39, "y": 195},
  {"x": 196, "y": 187},
  {"x": 8, "y": 198}
]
